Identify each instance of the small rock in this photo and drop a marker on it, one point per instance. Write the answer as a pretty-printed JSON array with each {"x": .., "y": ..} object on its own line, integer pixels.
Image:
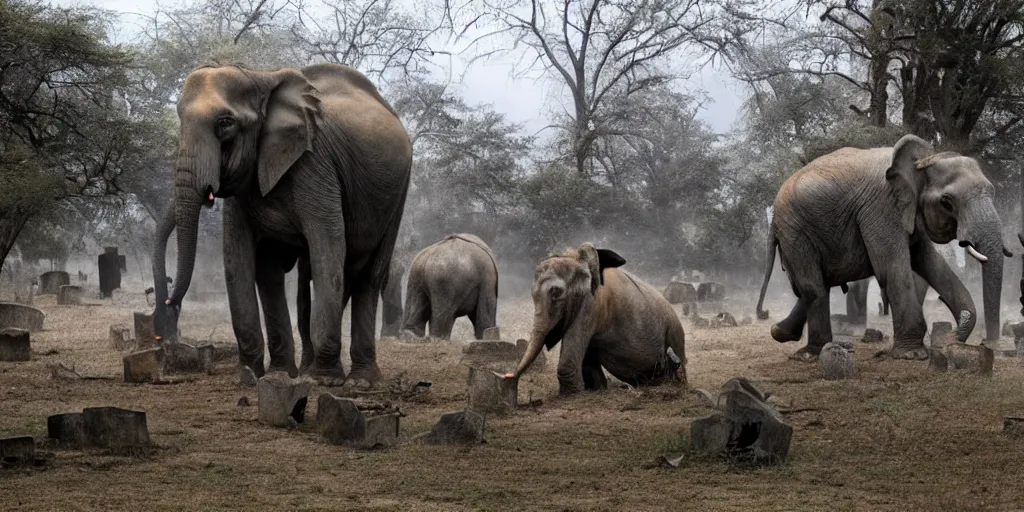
[
  {"x": 120, "y": 430},
  {"x": 244, "y": 402},
  {"x": 872, "y": 336},
  {"x": 491, "y": 393},
  {"x": 492, "y": 333},
  {"x": 121, "y": 337},
  {"x": 744, "y": 384},
  {"x": 942, "y": 334},
  {"x": 747, "y": 320},
  {"x": 15, "y": 345},
  {"x": 281, "y": 397},
  {"x": 463, "y": 427},
  {"x": 246, "y": 377},
  {"x": 17, "y": 451},
  {"x": 722, "y": 320},
  {"x": 1014, "y": 425},
  {"x": 144, "y": 366},
  {"x": 67, "y": 430},
  {"x": 975, "y": 359},
  {"x": 60, "y": 372},
  {"x": 836, "y": 363},
  {"x": 711, "y": 434}
]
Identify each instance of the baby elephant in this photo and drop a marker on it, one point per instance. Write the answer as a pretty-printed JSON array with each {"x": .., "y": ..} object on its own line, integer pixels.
[
  {"x": 605, "y": 318},
  {"x": 455, "y": 277}
]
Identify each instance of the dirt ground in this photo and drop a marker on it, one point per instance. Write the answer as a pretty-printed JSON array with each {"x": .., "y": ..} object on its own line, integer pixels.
[{"x": 897, "y": 438}]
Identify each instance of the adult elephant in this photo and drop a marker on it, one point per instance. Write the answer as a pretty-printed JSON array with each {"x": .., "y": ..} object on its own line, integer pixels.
[
  {"x": 309, "y": 161},
  {"x": 854, "y": 213},
  {"x": 457, "y": 276},
  {"x": 391, "y": 296},
  {"x": 606, "y": 319}
]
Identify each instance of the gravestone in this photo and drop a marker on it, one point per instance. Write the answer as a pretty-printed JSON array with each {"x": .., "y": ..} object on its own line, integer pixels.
[
  {"x": 69, "y": 295},
  {"x": 145, "y": 335},
  {"x": 66, "y": 430},
  {"x": 122, "y": 431},
  {"x": 462, "y": 427},
  {"x": 17, "y": 451},
  {"x": 836, "y": 363},
  {"x": 282, "y": 399},
  {"x": 144, "y": 366},
  {"x": 15, "y": 345},
  {"x": 21, "y": 316},
  {"x": 746, "y": 428},
  {"x": 680, "y": 293},
  {"x": 109, "y": 264},
  {"x": 50, "y": 282},
  {"x": 121, "y": 337},
  {"x": 491, "y": 393},
  {"x": 342, "y": 422}
]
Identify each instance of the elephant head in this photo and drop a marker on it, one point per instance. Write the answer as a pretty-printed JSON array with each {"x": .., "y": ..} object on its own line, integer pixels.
[
  {"x": 240, "y": 129},
  {"x": 946, "y": 196},
  {"x": 564, "y": 289}
]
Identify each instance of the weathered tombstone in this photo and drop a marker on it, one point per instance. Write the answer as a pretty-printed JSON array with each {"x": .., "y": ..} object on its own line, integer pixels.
[
  {"x": 462, "y": 427},
  {"x": 122, "y": 431},
  {"x": 500, "y": 356},
  {"x": 836, "y": 363},
  {"x": 122, "y": 262},
  {"x": 340, "y": 421},
  {"x": 186, "y": 358},
  {"x": 145, "y": 335},
  {"x": 975, "y": 359},
  {"x": 282, "y": 399},
  {"x": 937, "y": 359},
  {"x": 723, "y": 319},
  {"x": 121, "y": 337},
  {"x": 17, "y": 451},
  {"x": 21, "y": 316},
  {"x": 109, "y": 267},
  {"x": 50, "y": 282},
  {"x": 872, "y": 336},
  {"x": 492, "y": 333},
  {"x": 15, "y": 345},
  {"x": 67, "y": 430},
  {"x": 1014, "y": 425},
  {"x": 538, "y": 364},
  {"x": 144, "y": 366},
  {"x": 746, "y": 428},
  {"x": 69, "y": 295},
  {"x": 710, "y": 292},
  {"x": 942, "y": 333},
  {"x": 680, "y": 293},
  {"x": 491, "y": 393}
]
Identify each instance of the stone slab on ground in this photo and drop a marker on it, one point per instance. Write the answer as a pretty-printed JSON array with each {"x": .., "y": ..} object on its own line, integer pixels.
[
  {"x": 341, "y": 422},
  {"x": 1014, "y": 425},
  {"x": 282, "y": 399},
  {"x": 15, "y": 345},
  {"x": 69, "y": 295},
  {"x": 974, "y": 359},
  {"x": 460, "y": 428},
  {"x": 122, "y": 431},
  {"x": 17, "y": 451},
  {"x": 144, "y": 366},
  {"x": 66, "y": 430}
]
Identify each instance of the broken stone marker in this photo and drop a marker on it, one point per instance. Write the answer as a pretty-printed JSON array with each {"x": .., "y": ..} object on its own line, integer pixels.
[
  {"x": 186, "y": 358},
  {"x": 50, "y": 282},
  {"x": 67, "y": 430},
  {"x": 17, "y": 451},
  {"x": 282, "y": 398},
  {"x": 937, "y": 359},
  {"x": 872, "y": 336},
  {"x": 942, "y": 333},
  {"x": 144, "y": 366},
  {"x": 145, "y": 336},
  {"x": 121, "y": 337},
  {"x": 15, "y": 345},
  {"x": 836, "y": 363},
  {"x": 69, "y": 295},
  {"x": 538, "y": 364},
  {"x": 491, "y": 393},
  {"x": 119, "y": 430},
  {"x": 723, "y": 319},
  {"x": 492, "y": 333},
  {"x": 976, "y": 359},
  {"x": 1014, "y": 425},
  {"x": 463, "y": 427},
  {"x": 341, "y": 422},
  {"x": 751, "y": 429},
  {"x": 500, "y": 356},
  {"x": 21, "y": 317}
]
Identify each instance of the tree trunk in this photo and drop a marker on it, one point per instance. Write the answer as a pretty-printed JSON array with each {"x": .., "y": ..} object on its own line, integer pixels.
[{"x": 11, "y": 224}]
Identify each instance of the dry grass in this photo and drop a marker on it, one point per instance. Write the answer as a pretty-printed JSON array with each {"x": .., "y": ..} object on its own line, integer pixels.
[{"x": 898, "y": 438}]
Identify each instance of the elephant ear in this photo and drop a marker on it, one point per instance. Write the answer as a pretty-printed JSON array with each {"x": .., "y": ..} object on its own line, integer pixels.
[
  {"x": 598, "y": 260},
  {"x": 902, "y": 179},
  {"x": 289, "y": 127}
]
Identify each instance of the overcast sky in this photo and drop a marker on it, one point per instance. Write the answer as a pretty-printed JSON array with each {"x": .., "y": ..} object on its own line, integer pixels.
[{"x": 524, "y": 100}]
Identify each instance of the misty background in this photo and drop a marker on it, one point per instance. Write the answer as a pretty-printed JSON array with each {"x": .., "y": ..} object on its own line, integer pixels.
[{"x": 661, "y": 129}]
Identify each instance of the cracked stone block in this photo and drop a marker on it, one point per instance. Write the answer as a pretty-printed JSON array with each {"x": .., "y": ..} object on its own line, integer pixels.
[
  {"x": 69, "y": 295},
  {"x": 121, "y": 337},
  {"x": 491, "y": 393},
  {"x": 462, "y": 427},
  {"x": 120, "y": 430},
  {"x": 759, "y": 433},
  {"x": 144, "y": 365},
  {"x": 282, "y": 398},
  {"x": 976, "y": 359},
  {"x": 17, "y": 451},
  {"x": 836, "y": 363},
  {"x": 340, "y": 421},
  {"x": 67, "y": 430},
  {"x": 15, "y": 345},
  {"x": 145, "y": 335},
  {"x": 711, "y": 434},
  {"x": 492, "y": 333},
  {"x": 942, "y": 334}
]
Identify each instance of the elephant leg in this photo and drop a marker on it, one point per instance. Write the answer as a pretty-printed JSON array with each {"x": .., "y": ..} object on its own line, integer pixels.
[
  {"x": 808, "y": 283},
  {"x": 935, "y": 272},
  {"x": 270, "y": 285},
  {"x": 594, "y": 378},
  {"x": 364, "y": 372},
  {"x": 417, "y": 308},
  {"x": 921, "y": 287},
  {"x": 441, "y": 323},
  {"x": 857, "y": 303},
  {"x": 892, "y": 265},
  {"x": 486, "y": 314},
  {"x": 240, "y": 277},
  {"x": 791, "y": 328},
  {"x": 327, "y": 260},
  {"x": 303, "y": 306}
]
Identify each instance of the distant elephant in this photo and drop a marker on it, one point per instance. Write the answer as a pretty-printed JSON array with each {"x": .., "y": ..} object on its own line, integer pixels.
[
  {"x": 854, "y": 213},
  {"x": 857, "y": 300},
  {"x": 606, "y": 319},
  {"x": 457, "y": 276},
  {"x": 391, "y": 319},
  {"x": 310, "y": 161}
]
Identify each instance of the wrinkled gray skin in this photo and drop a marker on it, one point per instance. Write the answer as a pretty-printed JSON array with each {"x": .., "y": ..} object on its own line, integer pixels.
[
  {"x": 309, "y": 161},
  {"x": 457, "y": 276},
  {"x": 391, "y": 319},
  {"x": 606, "y": 319},
  {"x": 855, "y": 213}
]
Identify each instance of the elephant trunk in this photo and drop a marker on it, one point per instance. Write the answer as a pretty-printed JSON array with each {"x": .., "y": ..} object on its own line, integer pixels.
[
  {"x": 196, "y": 181},
  {"x": 532, "y": 351},
  {"x": 186, "y": 218},
  {"x": 165, "y": 319},
  {"x": 980, "y": 232}
]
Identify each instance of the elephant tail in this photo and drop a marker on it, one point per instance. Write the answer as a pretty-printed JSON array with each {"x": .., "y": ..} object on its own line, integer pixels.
[{"x": 762, "y": 314}]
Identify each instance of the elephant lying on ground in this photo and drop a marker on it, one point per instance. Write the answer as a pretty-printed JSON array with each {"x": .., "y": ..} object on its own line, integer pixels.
[
  {"x": 855, "y": 213},
  {"x": 454, "y": 277},
  {"x": 309, "y": 161},
  {"x": 606, "y": 319}
]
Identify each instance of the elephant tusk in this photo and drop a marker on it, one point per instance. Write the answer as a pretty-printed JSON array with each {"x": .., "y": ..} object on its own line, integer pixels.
[
  {"x": 976, "y": 255},
  {"x": 1007, "y": 252}
]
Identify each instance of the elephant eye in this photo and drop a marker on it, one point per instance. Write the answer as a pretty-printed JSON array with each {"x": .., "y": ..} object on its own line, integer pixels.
[
  {"x": 946, "y": 201},
  {"x": 556, "y": 292},
  {"x": 225, "y": 122}
]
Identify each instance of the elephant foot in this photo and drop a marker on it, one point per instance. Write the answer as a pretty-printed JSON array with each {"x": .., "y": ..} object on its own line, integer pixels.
[
  {"x": 363, "y": 378},
  {"x": 782, "y": 335},
  {"x": 290, "y": 369},
  {"x": 909, "y": 351},
  {"x": 328, "y": 376},
  {"x": 807, "y": 354}
]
